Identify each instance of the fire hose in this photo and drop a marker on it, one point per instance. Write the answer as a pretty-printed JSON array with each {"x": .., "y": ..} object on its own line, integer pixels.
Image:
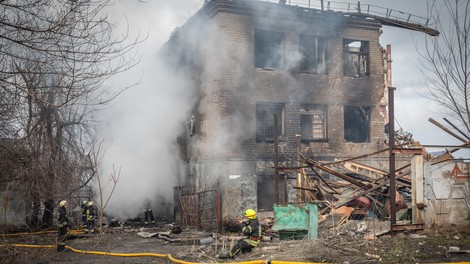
[
  {"x": 168, "y": 256},
  {"x": 147, "y": 254}
]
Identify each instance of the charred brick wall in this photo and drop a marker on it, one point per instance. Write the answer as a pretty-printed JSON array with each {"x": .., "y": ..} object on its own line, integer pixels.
[{"x": 223, "y": 152}]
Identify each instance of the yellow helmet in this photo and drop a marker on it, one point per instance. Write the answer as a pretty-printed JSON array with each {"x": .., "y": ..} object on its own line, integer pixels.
[
  {"x": 89, "y": 203},
  {"x": 63, "y": 203},
  {"x": 250, "y": 213}
]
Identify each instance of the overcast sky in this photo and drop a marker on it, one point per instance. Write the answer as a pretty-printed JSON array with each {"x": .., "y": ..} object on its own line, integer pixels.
[
  {"x": 142, "y": 120},
  {"x": 412, "y": 109}
]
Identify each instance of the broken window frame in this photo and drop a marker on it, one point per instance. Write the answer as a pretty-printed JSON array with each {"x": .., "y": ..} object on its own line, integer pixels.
[
  {"x": 265, "y": 121},
  {"x": 313, "y": 123},
  {"x": 269, "y": 49},
  {"x": 357, "y": 124},
  {"x": 314, "y": 54},
  {"x": 356, "y": 58}
]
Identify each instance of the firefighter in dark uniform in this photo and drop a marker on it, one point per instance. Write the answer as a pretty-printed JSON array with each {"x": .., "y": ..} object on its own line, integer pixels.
[
  {"x": 90, "y": 217},
  {"x": 148, "y": 212},
  {"x": 251, "y": 230},
  {"x": 62, "y": 221},
  {"x": 84, "y": 205}
]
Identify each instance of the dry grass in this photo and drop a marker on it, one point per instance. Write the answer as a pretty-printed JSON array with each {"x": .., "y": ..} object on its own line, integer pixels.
[{"x": 346, "y": 246}]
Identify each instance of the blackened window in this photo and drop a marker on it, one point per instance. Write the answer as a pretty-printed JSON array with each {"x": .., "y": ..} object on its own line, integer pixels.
[
  {"x": 266, "y": 191},
  {"x": 313, "y": 50},
  {"x": 313, "y": 122},
  {"x": 265, "y": 120},
  {"x": 356, "y": 58},
  {"x": 356, "y": 124},
  {"x": 268, "y": 49}
]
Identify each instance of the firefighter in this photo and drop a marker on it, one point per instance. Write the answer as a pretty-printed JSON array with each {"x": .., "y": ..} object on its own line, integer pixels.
[
  {"x": 90, "y": 217},
  {"x": 84, "y": 204},
  {"x": 251, "y": 230},
  {"x": 62, "y": 221},
  {"x": 148, "y": 212}
]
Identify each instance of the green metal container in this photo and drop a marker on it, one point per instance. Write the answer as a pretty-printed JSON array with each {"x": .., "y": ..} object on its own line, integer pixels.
[{"x": 296, "y": 221}]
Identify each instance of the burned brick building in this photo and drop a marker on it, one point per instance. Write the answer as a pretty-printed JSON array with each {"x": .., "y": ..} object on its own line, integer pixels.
[{"x": 268, "y": 74}]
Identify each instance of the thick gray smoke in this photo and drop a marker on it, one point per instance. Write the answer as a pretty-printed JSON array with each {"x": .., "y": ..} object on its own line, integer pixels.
[{"x": 140, "y": 127}]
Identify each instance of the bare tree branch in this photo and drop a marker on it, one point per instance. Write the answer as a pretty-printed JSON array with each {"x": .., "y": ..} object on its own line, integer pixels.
[
  {"x": 55, "y": 56},
  {"x": 446, "y": 60}
]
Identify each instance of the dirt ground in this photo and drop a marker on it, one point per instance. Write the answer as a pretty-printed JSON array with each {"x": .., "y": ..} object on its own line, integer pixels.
[{"x": 345, "y": 245}]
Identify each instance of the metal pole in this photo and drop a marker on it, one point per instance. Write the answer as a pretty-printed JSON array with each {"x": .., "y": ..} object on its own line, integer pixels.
[
  {"x": 391, "y": 139},
  {"x": 218, "y": 208},
  {"x": 276, "y": 160},
  {"x": 300, "y": 193}
]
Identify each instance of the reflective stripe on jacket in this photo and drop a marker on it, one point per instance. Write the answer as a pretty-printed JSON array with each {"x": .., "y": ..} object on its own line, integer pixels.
[
  {"x": 252, "y": 229},
  {"x": 90, "y": 213}
]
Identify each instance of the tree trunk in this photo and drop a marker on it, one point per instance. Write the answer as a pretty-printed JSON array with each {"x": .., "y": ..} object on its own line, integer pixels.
[
  {"x": 48, "y": 212},
  {"x": 34, "y": 222}
]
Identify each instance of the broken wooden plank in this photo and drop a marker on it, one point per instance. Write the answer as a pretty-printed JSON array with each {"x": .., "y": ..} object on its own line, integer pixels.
[
  {"x": 408, "y": 151},
  {"x": 447, "y": 130},
  {"x": 457, "y": 250},
  {"x": 314, "y": 163},
  {"x": 323, "y": 180},
  {"x": 336, "y": 217},
  {"x": 365, "y": 192},
  {"x": 358, "y": 168},
  {"x": 407, "y": 227}
]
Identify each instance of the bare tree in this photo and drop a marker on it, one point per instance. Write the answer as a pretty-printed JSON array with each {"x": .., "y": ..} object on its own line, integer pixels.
[
  {"x": 105, "y": 186},
  {"x": 446, "y": 59},
  {"x": 55, "y": 56}
]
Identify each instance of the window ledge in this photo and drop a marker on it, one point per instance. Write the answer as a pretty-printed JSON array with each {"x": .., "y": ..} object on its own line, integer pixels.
[
  {"x": 357, "y": 77},
  {"x": 312, "y": 73},
  {"x": 267, "y": 69},
  {"x": 270, "y": 140},
  {"x": 315, "y": 140}
]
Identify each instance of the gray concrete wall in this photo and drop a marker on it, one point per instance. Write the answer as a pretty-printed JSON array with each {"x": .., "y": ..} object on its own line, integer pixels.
[
  {"x": 12, "y": 209},
  {"x": 235, "y": 179}
]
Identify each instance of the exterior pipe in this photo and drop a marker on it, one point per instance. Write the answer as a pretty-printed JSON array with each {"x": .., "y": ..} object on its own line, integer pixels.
[
  {"x": 276, "y": 160},
  {"x": 391, "y": 139}
]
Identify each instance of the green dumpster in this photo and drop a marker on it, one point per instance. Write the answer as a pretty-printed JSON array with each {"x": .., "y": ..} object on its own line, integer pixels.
[{"x": 296, "y": 221}]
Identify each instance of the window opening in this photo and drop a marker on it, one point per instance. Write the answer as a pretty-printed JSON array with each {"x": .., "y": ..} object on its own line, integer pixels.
[
  {"x": 268, "y": 49},
  {"x": 265, "y": 191},
  {"x": 356, "y": 58},
  {"x": 265, "y": 120},
  {"x": 313, "y": 50},
  {"x": 313, "y": 122},
  {"x": 356, "y": 124}
]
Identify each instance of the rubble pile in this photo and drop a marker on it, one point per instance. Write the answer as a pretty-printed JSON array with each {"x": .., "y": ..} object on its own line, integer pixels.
[{"x": 350, "y": 195}]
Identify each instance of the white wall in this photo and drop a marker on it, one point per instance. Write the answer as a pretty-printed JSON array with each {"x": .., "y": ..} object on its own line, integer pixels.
[{"x": 447, "y": 197}]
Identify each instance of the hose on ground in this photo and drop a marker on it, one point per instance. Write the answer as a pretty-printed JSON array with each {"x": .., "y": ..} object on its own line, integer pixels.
[
  {"x": 168, "y": 256},
  {"x": 71, "y": 232}
]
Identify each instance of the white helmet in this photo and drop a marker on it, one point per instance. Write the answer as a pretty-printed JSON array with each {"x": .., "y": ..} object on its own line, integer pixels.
[{"x": 63, "y": 203}]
